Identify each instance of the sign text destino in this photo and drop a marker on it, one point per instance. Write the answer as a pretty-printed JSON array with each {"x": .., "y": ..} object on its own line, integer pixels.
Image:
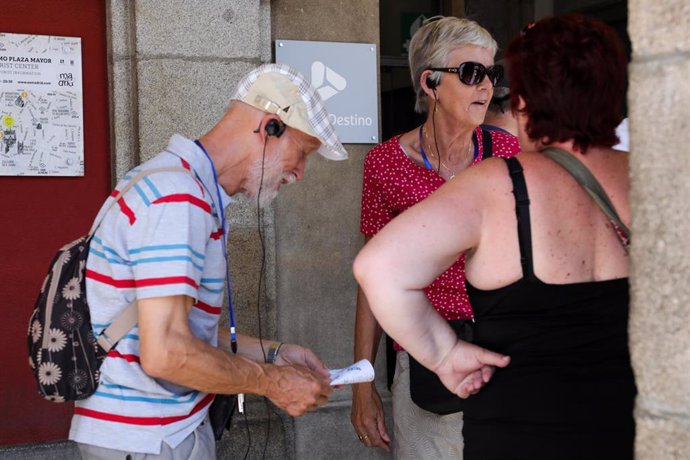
[{"x": 351, "y": 120}]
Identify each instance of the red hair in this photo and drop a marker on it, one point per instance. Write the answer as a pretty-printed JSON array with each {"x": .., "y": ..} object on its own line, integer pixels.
[{"x": 571, "y": 72}]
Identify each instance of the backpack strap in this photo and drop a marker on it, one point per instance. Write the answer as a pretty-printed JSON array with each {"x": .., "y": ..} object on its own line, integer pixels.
[
  {"x": 590, "y": 183},
  {"x": 122, "y": 324},
  {"x": 127, "y": 319}
]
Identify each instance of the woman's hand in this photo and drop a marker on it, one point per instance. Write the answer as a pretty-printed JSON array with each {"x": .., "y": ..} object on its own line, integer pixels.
[
  {"x": 466, "y": 368},
  {"x": 367, "y": 416}
]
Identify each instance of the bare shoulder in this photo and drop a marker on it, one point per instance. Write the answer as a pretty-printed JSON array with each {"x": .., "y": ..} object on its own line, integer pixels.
[
  {"x": 480, "y": 190},
  {"x": 490, "y": 175},
  {"x": 609, "y": 167}
]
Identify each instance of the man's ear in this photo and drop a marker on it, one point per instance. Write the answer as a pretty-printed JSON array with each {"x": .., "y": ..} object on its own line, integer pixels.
[
  {"x": 275, "y": 127},
  {"x": 271, "y": 125}
]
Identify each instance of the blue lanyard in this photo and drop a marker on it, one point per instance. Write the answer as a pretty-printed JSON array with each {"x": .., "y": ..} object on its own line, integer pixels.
[
  {"x": 421, "y": 150},
  {"x": 221, "y": 211}
]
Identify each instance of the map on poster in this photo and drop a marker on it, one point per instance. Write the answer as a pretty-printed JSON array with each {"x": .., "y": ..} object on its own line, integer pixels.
[{"x": 41, "y": 112}]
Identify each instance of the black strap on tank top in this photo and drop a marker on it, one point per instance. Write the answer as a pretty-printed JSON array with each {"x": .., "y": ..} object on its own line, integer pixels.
[
  {"x": 486, "y": 144},
  {"x": 523, "y": 217}
]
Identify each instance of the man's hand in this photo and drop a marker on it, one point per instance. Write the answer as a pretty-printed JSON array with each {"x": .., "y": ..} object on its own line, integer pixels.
[
  {"x": 466, "y": 368},
  {"x": 296, "y": 389},
  {"x": 367, "y": 416},
  {"x": 301, "y": 356}
]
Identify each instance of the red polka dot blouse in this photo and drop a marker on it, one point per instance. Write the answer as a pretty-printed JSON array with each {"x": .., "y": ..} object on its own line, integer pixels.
[{"x": 393, "y": 182}]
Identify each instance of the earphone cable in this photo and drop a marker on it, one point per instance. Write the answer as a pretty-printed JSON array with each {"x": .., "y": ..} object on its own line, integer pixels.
[
  {"x": 261, "y": 276},
  {"x": 433, "y": 125},
  {"x": 263, "y": 248},
  {"x": 249, "y": 436}
]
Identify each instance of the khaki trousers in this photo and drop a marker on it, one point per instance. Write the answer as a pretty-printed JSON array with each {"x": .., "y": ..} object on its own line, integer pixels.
[{"x": 419, "y": 434}]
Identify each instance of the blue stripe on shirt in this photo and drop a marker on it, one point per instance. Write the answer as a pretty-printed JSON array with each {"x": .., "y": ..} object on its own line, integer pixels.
[
  {"x": 99, "y": 327},
  {"x": 171, "y": 400},
  {"x": 112, "y": 260},
  {"x": 153, "y": 188},
  {"x": 166, "y": 247},
  {"x": 142, "y": 195},
  {"x": 150, "y": 260},
  {"x": 107, "y": 249},
  {"x": 212, "y": 280},
  {"x": 215, "y": 291}
]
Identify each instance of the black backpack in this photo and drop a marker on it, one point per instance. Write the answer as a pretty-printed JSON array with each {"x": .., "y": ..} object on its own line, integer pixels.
[{"x": 64, "y": 353}]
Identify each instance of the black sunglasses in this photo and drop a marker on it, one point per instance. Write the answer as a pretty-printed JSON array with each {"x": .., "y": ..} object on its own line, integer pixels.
[{"x": 473, "y": 73}]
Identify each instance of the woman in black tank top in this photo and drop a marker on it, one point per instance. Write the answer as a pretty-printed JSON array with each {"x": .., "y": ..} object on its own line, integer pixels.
[{"x": 546, "y": 269}]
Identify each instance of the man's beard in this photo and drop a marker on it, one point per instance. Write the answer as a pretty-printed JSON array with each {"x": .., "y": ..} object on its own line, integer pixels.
[{"x": 272, "y": 178}]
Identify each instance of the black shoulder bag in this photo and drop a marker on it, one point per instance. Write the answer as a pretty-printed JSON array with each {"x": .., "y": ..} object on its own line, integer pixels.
[
  {"x": 427, "y": 390},
  {"x": 220, "y": 414}
]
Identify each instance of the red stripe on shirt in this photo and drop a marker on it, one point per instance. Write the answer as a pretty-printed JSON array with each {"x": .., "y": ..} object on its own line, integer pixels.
[
  {"x": 128, "y": 358},
  {"x": 217, "y": 234},
  {"x": 166, "y": 280},
  {"x": 126, "y": 210},
  {"x": 143, "y": 420},
  {"x": 186, "y": 166},
  {"x": 184, "y": 198},
  {"x": 143, "y": 282},
  {"x": 208, "y": 308},
  {"x": 108, "y": 280}
]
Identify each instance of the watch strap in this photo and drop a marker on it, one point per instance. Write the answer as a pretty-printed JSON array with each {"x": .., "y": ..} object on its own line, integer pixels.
[{"x": 273, "y": 350}]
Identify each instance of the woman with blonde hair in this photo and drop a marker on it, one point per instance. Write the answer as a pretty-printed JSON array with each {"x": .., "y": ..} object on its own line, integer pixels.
[{"x": 453, "y": 74}]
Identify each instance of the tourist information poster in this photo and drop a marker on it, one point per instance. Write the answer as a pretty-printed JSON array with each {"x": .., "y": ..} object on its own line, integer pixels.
[{"x": 41, "y": 110}]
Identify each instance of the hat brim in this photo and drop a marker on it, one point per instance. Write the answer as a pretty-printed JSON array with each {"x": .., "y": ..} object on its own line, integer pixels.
[{"x": 331, "y": 153}]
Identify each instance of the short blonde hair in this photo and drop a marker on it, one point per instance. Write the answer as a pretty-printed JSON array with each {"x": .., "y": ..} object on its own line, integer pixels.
[{"x": 434, "y": 41}]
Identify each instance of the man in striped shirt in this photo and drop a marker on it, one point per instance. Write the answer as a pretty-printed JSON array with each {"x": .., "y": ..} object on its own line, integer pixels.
[{"x": 163, "y": 246}]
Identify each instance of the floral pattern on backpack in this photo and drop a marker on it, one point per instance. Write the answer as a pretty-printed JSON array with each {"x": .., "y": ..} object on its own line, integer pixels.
[{"x": 63, "y": 353}]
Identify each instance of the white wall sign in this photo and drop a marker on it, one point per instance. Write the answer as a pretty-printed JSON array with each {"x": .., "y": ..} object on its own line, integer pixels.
[
  {"x": 41, "y": 112},
  {"x": 345, "y": 75}
]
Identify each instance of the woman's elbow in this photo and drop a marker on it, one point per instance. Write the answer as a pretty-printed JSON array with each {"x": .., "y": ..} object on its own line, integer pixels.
[{"x": 364, "y": 267}]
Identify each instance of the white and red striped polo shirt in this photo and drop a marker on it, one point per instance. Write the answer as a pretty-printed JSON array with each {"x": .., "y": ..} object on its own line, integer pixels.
[{"x": 163, "y": 238}]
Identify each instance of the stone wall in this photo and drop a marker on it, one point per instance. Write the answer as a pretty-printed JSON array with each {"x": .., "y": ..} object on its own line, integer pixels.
[
  {"x": 317, "y": 238},
  {"x": 659, "y": 108}
]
